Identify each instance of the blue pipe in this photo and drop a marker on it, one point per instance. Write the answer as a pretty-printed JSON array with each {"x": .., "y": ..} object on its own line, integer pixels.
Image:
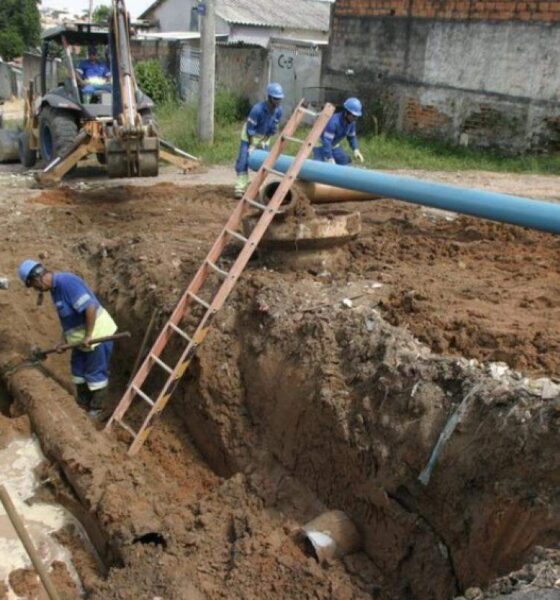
[{"x": 516, "y": 210}]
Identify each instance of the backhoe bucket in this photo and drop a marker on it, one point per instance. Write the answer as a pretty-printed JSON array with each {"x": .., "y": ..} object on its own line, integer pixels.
[{"x": 136, "y": 157}]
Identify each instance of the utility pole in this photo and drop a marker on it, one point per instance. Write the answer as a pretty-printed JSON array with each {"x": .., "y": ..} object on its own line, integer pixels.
[
  {"x": 207, "y": 79},
  {"x": 90, "y": 10}
]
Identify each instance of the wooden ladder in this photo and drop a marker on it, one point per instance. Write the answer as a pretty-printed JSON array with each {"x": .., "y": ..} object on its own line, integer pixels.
[{"x": 211, "y": 267}]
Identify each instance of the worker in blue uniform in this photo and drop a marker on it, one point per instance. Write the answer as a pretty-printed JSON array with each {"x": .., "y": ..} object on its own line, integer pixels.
[
  {"x": 261, "y": 124},
  {"x": 83, "y": 319},
  {"x": 93, "y": 75},
  {"x": 341, "y": 125}
]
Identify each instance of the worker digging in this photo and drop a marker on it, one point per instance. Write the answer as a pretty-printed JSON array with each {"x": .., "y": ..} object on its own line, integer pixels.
[{"x": 83, "y": 319}]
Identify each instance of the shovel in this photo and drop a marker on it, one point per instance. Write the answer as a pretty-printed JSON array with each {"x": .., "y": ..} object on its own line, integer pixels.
[{"x": 37, "y": 355}]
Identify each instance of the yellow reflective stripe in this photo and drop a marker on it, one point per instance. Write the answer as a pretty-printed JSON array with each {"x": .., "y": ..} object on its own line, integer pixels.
[
  {"x": 245, "y": 136},
  {"x": 104, "y": 326}
]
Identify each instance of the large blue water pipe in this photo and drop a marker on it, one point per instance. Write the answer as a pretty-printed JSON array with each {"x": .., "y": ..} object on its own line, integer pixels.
[{"x": 516, "y": 210}]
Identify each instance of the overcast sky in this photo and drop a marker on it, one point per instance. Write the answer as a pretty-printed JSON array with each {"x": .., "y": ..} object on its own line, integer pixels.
[{"x": 135, "y": 7}]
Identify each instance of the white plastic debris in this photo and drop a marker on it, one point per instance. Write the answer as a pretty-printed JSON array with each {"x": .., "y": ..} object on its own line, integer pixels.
[
  {"x": 347, "y": 302},
  {"x": 498, "y": 369}
]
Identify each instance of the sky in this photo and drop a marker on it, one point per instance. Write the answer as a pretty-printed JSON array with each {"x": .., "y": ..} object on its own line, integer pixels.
[{"x": 135, "y": 7}]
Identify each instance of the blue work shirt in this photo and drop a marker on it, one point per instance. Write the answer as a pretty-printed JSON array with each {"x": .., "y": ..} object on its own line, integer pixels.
[
  {"x": 71, "y": 297},
  {"x": 336, "y": 130},
  {"x": 262, "y": 121},
  {"x": 90, "y": 69}
]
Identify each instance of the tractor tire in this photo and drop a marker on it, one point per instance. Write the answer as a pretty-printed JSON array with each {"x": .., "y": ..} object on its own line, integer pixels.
[
  {"x": 57, "y": 132},
  {"x": 27, "y": 156}
]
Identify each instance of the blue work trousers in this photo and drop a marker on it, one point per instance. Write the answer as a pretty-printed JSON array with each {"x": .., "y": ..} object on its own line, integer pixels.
[
  {"x": 242, "y": 162},
  {"x": 340, "y": 157},
  {"x": 92, "y": 367}
]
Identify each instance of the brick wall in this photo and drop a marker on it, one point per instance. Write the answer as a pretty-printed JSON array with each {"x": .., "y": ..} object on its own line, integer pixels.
[
  {"x": 442, "y": 69},
  {"x": 532, "y": 10}
]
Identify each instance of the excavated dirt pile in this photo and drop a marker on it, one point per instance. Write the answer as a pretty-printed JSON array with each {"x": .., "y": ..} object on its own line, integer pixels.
[{"x": 313, "y": 391}]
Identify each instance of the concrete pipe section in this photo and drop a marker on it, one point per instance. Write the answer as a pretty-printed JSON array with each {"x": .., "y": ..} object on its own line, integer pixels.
[
  {"x": 331, "y": 535},
  {"x": 313, "y": 240},
  {"x": 317, "y": 193}
]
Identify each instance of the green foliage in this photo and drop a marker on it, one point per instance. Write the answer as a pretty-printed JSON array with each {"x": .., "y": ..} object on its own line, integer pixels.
[
  {"x": 230, "y": 108},
  {"x": 101, "y": 14},
  {"x": 178, "y": 122},
  {"x": 20, "y": 27},
  {"x": 11, "y": 44},
  {"x": 153, "y": 81}
]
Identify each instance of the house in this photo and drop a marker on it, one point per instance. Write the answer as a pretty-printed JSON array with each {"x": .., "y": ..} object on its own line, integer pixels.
[
  {"x": 258, "y": 41},
  {"x": 481, "y": 73},
  {"x": 247, "y": 21}
]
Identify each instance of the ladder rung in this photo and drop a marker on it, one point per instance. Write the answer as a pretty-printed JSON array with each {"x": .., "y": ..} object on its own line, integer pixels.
[
  {"x": 198, "y": 299},
  {"x": 179, "y": 331},
  {"x": 290, "y": 138},
  {"x": 256, "y": 204},
  {"x": 138, "y": 391},
  {"x": 125, "y": 426},
  {"x": 236, "y": 235},
  {"x": 308, "y": 112},
  {"x": 216, "y": 268},
  {"x": 275, "y": 172},
  {"x": 160, "y": 362}
]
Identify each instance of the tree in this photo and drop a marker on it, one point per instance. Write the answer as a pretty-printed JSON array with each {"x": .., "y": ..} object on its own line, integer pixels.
[
  {"x": 101, "y": 14},
  {"x": 11, "y": 44},
  {"x": 20, "y": 27}
]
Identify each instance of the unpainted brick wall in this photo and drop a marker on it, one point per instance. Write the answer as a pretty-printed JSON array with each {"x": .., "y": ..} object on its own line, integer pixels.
[
  {"x": 531, "y": 10},
  {"x": 471, "y": 70}
]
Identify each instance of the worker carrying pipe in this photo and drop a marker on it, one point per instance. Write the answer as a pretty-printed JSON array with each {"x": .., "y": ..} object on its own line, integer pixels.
[
  {"x": 341, "y": 125},
  {"x": 82, "y": 319},
  {"x": 261, "y": 125}
]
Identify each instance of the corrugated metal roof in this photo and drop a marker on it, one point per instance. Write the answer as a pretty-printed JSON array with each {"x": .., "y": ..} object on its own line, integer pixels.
[{"x": 292, "y": 14}]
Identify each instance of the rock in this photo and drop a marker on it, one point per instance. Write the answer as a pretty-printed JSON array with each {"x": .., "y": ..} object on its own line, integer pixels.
[{"x": 474, "y": 593}]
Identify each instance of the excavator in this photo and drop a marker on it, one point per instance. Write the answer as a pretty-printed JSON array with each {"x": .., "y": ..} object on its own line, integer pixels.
[{"x": 66, "y": 122}]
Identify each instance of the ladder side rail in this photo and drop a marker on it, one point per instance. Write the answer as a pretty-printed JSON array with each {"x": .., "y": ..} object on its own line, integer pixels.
[
  {"x": 236, "y": 270},
  {"x": 227, "y": 286}
]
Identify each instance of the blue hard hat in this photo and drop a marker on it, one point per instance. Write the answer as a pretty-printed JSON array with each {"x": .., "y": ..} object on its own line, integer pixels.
[
  {"x": 28, "y": 269},
  {"x": 353, "y": 106},
  {"x": 274, "y": 90}
]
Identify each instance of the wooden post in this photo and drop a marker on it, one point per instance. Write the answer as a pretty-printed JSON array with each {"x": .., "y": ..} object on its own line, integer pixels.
[
  {"x": 28, "y": 544},
  {"x": 207, "y": 79}
]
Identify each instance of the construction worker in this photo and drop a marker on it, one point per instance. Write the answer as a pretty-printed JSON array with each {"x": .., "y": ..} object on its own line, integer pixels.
[
  {"x": 341, "y": 125},
  {"x": 93, "y": 75},
  {"x": 261, "y": 124},
  {"x": 82, "y": 318}
]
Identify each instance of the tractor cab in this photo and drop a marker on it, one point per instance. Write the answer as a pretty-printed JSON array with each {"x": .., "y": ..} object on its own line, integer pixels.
[{"x": 76, "y": 71}]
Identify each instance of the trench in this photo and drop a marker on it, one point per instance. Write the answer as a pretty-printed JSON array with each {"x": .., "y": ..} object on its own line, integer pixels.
[{"x": 298, "y": 403}]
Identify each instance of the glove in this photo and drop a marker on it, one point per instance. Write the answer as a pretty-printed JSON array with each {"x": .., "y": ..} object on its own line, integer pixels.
[
  {"x": 264, "y": 144},
  {"x": 251, "y": 148},
  {"x": 332, "y": 161},
  {"x": 358, "y": 155}
]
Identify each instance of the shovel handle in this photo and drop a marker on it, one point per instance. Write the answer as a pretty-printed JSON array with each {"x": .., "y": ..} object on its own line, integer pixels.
[{"x": 64, "y": 347}]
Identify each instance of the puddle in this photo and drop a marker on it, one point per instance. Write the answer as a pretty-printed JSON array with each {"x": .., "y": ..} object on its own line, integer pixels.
[{"x": 17, "y": 463}]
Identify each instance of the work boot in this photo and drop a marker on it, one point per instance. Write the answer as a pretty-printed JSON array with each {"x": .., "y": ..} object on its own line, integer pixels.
[
  {"x": 83, "y": 395},
  {"x": 98, "y": 403},
  {"x": 241, "y": 183}
]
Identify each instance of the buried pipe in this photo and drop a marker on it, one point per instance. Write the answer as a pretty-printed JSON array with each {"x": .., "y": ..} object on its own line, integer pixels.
[
  {"x": 332, "y": 535},
  {"x": 536, "y": 214}
]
